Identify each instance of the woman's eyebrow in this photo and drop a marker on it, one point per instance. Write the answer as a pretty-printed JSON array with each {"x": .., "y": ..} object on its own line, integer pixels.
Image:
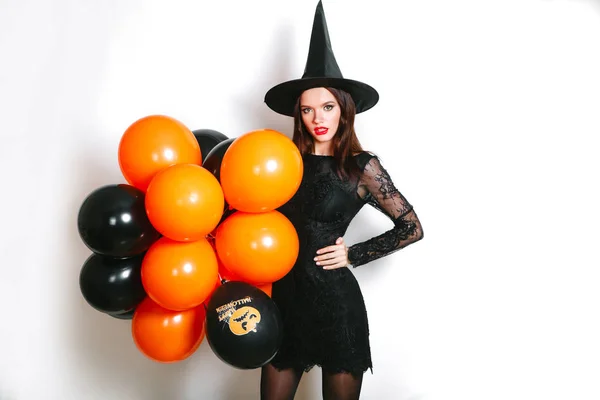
[{"x": 327, "y": 102}]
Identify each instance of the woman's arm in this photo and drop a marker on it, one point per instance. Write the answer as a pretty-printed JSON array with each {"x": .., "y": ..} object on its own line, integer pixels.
[{"x": 377, "y": 189}]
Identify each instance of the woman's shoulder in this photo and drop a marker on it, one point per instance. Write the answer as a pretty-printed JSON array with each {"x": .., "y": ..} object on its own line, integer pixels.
[{"x": 363, "y": 158}]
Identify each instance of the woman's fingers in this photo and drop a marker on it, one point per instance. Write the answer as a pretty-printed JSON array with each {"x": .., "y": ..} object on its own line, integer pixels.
[{"x": 334, "y": 256}]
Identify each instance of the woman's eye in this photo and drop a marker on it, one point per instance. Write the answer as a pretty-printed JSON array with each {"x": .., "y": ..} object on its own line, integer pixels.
[
  {"x": 306, "y": 110},
  {"x": 328, "y": 107}
]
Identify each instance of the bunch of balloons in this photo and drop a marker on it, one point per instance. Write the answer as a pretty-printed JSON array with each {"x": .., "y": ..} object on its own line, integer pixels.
[{"x": 194, "y": 233}]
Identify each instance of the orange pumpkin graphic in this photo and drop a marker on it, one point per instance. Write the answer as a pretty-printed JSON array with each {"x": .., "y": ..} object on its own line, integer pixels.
[{"x": 244, "y": 320}]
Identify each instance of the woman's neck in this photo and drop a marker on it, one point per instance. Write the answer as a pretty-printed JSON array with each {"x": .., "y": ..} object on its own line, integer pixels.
[{"x": 323, "y": 149}]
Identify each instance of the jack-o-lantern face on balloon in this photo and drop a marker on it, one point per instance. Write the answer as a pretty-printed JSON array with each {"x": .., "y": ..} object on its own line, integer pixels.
[
  {"x": 244, "y": 320},
  {"x": 243, "y": 325}
]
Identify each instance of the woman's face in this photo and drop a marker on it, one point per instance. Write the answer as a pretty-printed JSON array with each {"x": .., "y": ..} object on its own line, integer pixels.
[{"x": 320, "y": 113}]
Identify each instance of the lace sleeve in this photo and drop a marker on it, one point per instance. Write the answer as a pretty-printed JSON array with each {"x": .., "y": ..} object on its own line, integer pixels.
[{"x": 377, "y": 189}]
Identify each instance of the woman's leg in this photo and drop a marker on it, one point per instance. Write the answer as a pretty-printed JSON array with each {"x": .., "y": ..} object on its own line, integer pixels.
[
  {"x": 341, "y": 386},
  {"x": 279, "y": 385}
]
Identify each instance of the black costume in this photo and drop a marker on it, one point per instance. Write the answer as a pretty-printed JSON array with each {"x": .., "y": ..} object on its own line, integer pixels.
[{"x": 324, "y": 315}]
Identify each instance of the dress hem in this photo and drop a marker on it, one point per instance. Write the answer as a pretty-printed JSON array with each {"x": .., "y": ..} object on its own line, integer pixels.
[{"x": 330, "y": 369}]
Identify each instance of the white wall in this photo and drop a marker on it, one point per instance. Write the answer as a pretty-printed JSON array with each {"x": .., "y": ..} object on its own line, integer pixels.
[{"x": 488, "y": 120}]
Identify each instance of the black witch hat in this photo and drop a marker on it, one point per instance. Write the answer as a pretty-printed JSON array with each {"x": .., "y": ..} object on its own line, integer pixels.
[{"x": 321, "y": 70}]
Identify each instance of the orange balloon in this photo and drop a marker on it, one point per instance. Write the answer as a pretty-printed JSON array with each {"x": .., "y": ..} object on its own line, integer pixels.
[
  {"x": 261, "y": 170},
  {"x": 179, "y": 275},
  {"x": 167, "y": 336},
  {"x": 223, "y": 273},
  {"x": 153, "y": 143},
  {"x": 257, "y": 247},
  {"x": 184, "y": 202},
  {"x": 227, "y": 275},
  {"x": 267, "y": 288}
]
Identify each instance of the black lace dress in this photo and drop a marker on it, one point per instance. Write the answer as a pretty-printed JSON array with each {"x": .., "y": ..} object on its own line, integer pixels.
[{"x": 324, "y": 315}]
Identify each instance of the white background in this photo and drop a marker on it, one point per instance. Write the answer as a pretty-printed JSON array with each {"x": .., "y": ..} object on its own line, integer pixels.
[{"x": 488, "y": 123}]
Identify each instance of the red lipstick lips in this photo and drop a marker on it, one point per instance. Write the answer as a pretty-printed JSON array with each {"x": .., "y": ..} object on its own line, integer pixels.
[{"x": 321, "y": 130}]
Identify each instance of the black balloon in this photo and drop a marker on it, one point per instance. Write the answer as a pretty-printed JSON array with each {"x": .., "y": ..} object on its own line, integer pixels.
[
  {"x": 125, "y": 315},
  {"x": 207, "y": 139},
  {"x": 112, "y": 285},
  {"x": 243, "y": 325},
  {"x": 213, "y": 160},
  {"x": 212, "y": 163},
  {"x": 112, "y": 221}
]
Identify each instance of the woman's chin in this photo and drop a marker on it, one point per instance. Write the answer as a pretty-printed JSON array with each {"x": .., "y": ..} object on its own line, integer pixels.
[{"x": 322, "y": 138}]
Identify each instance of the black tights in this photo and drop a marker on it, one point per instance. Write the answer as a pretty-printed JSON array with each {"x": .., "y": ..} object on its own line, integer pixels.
[{"x": 282, "y": 385}]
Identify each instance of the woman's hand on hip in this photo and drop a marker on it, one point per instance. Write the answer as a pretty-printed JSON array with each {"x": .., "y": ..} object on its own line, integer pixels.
[{"x": 334, "y": 256}]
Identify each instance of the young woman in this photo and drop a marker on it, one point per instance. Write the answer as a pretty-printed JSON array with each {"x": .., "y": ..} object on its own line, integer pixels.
[{"x": 324, "y": 315}]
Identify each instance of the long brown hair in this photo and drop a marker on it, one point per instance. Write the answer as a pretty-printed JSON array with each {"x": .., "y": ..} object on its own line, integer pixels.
[{"x": 345, "y": 141}]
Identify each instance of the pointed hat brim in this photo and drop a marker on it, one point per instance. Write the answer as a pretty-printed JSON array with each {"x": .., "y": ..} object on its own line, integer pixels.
[{"x": 283, "y": 98}]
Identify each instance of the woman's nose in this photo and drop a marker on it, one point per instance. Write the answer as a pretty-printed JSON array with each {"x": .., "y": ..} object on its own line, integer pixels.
[{"x": 318, "y": 117}]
